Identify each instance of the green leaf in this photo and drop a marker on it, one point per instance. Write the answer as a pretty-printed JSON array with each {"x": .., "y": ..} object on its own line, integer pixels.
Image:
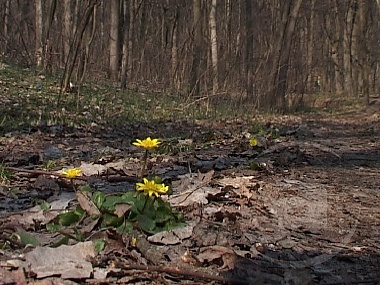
[
  {"x": 146, "y": 223},
  {"x": 125, "y": 228},
  {"x": 99, "y": 245},
  {"x": 68, "y": 218},
  {"x": 150, "y": 211},
  {"x": 111, "y": 220},
  {"x": 110, "y": 202},
  {"x": 129, "y": 197},
  {"x": 78, "y": 235},
  {"x": 139, "y": 203},
  {"x": 163, "y": 215},
  {"x": 98, "y": 198},
  {"x": 86, "y": 188},
  {"x": 163, "y": 204},
  {"x": 79, "y": 211},
  {"x": 28, "y": 238},
  {"x": 157, "y": 179},
  {"x": 53, "y": 227}
]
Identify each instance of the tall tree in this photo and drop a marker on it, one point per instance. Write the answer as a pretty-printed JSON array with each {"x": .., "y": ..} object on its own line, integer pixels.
[
  {"x": 249, "y": 48},
  {"x": 114, "y": 40},
  {"x": 47, "y": 42},
  {"x": 39, "y": 33},
  {"x": 6, "y": 25},
  {"x": 197, "y": 49},
  {"x": 175, "y": 80},
  {"x": 67, "y": 27},
  {"x": 312, "y": 76},
  {"x": 214, "y": 47},
  {"x": 124, "y": 54}
]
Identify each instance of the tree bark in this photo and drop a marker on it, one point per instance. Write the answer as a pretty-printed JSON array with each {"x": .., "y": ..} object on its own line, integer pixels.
[
  {"x": 124, "y": 54},
  {"x": 312, "y": 75},
  {"x": 67, "y": 28},
  {"x": 39, "y": 33},
  {"x": 197, "y": 48},
  {"x": 6, "y": 24},
  {"x": 249, "y": 50},
  {"x": 114, "y": 40},
  {"x": 214, "y": 47},
  {"x": 175, "y": 82}
]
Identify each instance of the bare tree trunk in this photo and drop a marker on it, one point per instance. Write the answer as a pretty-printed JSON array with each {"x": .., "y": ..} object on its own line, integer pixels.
[
  {"x": 362, "y": 51},
  {"x": 39, "y": 33},
  {"x": 143, "y": 67},
  {"x": 131, "y": 34},
  {"x": 249, "y": 50},
  {"x": 175, "y": 82},
  {"x": 47, "y": 44},
  {"x": 124, "y": 54},
  {"x": 312, "y": 75},
  {"x": 197, "y": 48},
  {"x": 114, "y": 40},
  {"x": 6, "y": 25},
  {"x": 74, "y": 49},
  {"x": 88, "y": 39},
  {"x": 214, "y": 47},
  {"x": 67, "y": 28},
  {"x": 349, "y": 21}
]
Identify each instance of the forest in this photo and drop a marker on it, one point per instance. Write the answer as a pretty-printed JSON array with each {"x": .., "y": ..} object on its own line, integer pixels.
[
  {"x": 189, "y": 142},
  {"x": 268, "y": 53}
]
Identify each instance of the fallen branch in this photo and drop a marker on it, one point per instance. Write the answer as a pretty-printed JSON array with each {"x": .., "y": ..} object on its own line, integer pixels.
[{"x": 178, "y": 271}]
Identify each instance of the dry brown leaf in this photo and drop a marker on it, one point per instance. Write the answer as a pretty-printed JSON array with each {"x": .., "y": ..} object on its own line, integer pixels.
[
  {"x": 66, "y": 261},
  {"x": 12, "y": 277},
  {"x": 213, "y": 253},
  {"x": 193, "y": 189},
  {"x": 121, "y": 209},
  {"x": 87, "y": 204},
  {"x": 174, "y": 236}
]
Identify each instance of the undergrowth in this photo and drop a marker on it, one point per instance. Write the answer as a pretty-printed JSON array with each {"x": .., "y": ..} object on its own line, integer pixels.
[{"x": 30, "y": 100}]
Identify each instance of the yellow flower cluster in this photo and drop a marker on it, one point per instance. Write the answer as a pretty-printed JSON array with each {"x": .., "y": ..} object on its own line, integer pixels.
[
  {"x": 71, "y": 173},
  {"x": 253, "y": 142},
  {"x": 147, "y": 144},
  {"x": 150, "y": 187}
]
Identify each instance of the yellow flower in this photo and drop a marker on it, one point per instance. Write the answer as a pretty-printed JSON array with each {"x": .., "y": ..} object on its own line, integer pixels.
[
  {"x": 253, "y": 142},
  {"x": 71, "y": 173},
  {"x": 150, "y": 187},
  {"x": 148, "y": 143}
]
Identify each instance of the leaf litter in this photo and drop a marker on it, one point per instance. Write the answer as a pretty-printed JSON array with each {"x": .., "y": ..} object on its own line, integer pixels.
[{"x": 308, "y": 214}]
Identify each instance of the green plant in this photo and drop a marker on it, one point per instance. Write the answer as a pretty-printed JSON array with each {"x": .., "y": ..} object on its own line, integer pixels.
[
  {"x": 124, "y": 212},
  {"x": 50, "y": 164},
  {"x": 141, "y": 209},
  {"x": 5, "y": 174}
]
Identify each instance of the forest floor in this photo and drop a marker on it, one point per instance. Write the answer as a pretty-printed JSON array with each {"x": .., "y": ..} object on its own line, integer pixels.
[
  {"x": 301, "y": 207},
  {"x": 309, "y": 215}
]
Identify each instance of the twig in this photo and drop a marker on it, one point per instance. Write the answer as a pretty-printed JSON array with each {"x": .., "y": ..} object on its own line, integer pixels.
[
  {"x": 112, "y": 178},
  {"x": 177, "y": 271},
  {"x": 15, "y": 169}
]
